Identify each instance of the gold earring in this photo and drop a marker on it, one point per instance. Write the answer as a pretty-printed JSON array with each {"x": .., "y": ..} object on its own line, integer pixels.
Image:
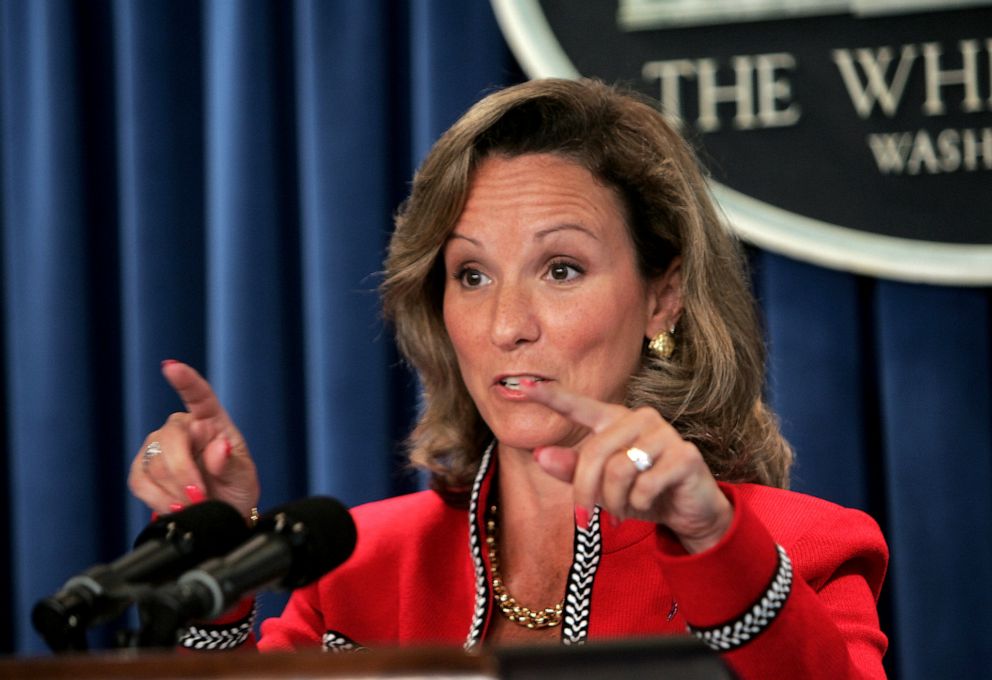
[{"x": 663, "y": 344}]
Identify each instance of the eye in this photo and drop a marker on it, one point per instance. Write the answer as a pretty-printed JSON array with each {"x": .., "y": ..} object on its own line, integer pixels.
[
  {"x": 471, "y": 277},
  {"x": 560, "y": 270}
]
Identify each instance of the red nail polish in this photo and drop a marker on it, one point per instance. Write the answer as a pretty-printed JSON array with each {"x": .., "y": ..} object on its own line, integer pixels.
[
  {"x": 195, "y": 494},
  {"x": 527, "y": 382},
  {"x": 227, "y": 449},
  {"x": 168, "y": 362},
  {"x": 176, "y": 507},
  {"x": 581, "y": 517},
  {"x": 154, "y": 516}
]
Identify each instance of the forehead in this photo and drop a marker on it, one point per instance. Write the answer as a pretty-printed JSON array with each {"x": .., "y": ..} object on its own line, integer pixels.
[{"x": 535, "y": 190}]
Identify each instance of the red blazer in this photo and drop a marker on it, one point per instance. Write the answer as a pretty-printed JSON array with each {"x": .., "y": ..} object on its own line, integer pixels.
[{"x": 418, "y": 577}]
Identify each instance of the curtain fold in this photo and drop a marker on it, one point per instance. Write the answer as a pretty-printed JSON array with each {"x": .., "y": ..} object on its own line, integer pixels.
[
  {"x": 344, "y": 198},
  {"x": 213, "y": 181},
  {"x": 818, "y": 375},
  {"x": 52, "y": 392},
  {"x": 934, "y": 362},
  {"x": 160, "y": 160}
]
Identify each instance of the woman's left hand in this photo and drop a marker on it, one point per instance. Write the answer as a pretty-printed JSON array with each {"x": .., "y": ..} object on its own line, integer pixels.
[{"x": 677, "y": 490}]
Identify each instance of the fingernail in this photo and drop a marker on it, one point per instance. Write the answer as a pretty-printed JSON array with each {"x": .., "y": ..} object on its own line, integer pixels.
[
  {"x": 154, "y": 515},
  {"x": 168, "y": 362},
  {"x": 527, "y": 382},
  {"x": 195, "y": 494},
  {"x": 581, "y": 517},
  {"x": 176, "y": 507},
  {"x": 227, "y": 449}
]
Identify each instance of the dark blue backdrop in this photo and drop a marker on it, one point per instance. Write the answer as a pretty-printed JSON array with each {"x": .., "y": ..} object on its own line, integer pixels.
[{"x": 213, "y": 181}]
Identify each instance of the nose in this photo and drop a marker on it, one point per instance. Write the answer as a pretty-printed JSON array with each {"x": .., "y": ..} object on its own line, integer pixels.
[{"x": 514, "y": 318}]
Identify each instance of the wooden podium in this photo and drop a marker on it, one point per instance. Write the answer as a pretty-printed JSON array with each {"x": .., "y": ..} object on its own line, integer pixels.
[
  {"x": 669, "y": 657},
  {"x": 250, "y": 665}
]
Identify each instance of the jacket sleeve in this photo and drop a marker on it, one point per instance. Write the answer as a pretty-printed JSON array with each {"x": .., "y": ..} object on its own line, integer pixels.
[
  {"x": 297, "y": 627},
  {"x": 300, "y": 624},
  {"x": 822, "y": 624},
  {"x": 231, "y": 630}
]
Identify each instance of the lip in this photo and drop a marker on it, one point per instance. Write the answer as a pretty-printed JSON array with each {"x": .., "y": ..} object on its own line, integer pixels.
[
  {"x": 511, "y": 394},
  {"x": 503, "y": 376}
]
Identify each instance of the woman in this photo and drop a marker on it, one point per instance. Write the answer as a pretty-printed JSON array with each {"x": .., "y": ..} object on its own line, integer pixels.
[{"x": 592, "y": 371}]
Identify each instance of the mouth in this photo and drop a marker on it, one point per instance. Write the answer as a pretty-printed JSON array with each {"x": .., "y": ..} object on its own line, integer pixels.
[{"x": 512, "y": 382}]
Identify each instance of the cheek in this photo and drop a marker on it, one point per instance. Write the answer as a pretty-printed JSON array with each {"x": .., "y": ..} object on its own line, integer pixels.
[
  {"x": 604, "y": 340},
  {"x": 612, "y": 344},
  {"x": 454, "y": 332},
  {"x": 459, "y": 328}
]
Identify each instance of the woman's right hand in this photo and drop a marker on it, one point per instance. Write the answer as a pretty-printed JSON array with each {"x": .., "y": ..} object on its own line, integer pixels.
[{"x": 202, "y": 454}]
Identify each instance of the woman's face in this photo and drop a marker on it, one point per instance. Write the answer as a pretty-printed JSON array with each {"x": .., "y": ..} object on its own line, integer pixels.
[{"x": 542, "y": 282}]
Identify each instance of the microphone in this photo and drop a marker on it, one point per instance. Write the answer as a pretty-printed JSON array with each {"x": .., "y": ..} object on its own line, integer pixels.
[
  {"x": 294, "y": 545},
  {"x": 166, "y": 547}
]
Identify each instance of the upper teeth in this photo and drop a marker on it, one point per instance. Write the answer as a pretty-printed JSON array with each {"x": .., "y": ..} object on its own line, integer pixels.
[{"x": 513, "y": 382}]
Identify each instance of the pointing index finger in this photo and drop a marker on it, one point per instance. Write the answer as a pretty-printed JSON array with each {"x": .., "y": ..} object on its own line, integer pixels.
[
  {"x": 193, "y": 389},
  {"x": 586, "y": 411}
]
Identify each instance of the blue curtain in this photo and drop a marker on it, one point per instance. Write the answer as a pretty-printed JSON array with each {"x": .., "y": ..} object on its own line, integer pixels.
[
  {"x": 213, "y": 181},
  {"x": 885, "y": 390}
]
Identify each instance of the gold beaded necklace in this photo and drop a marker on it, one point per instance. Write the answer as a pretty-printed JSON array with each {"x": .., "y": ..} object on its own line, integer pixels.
[{"x": 511, "y": 609}]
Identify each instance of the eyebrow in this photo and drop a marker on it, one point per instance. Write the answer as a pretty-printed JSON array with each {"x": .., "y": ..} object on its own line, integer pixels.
[
  {"x": 455, "y": 235},
  {"x": 563, "y": 227},
  {"x": 538, "y": 236}
]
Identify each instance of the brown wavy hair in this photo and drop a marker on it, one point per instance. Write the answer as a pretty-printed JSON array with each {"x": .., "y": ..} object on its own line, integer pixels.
[{"x": 710, "y": 389}]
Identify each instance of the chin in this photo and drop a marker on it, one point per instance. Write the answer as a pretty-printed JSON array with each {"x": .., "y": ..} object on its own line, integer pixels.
[{"x": 530, "y": 435}]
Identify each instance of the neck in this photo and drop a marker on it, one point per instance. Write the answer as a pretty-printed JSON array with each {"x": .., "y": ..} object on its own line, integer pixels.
[
  {"x": 535, "y": 541},
  {"x": 526, "y": 491}
]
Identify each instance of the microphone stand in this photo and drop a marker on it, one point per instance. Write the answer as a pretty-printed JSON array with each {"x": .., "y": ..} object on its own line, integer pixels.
[{"x": 163, "y": 616}]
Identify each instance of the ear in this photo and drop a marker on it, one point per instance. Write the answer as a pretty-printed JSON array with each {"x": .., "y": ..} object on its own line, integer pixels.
[{"x": 665, "y": 299}]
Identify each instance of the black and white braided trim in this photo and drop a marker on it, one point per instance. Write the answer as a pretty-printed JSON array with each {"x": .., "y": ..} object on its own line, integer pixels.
[
  {"x": 219, "y": 638},
  {"x": 482, "y": 595},
  {"x": 731, "y": 635},
  {"x": 335, "y": 642},
  {"x": 578, "y": 591}
]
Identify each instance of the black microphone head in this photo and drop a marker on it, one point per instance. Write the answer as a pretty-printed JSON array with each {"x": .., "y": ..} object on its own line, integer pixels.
[
  {"x": 208, "y": 529},
  {"x": 166, "y": 548},
  {"x": 321, "y": 532}
]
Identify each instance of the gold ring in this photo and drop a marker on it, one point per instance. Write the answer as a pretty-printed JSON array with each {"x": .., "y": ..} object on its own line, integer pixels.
[{"x": 640, "y": 458}]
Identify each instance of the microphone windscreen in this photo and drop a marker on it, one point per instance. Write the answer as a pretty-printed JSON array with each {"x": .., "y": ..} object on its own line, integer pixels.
[
  {"x": 214, "y": 528},
  {"x": 321, "y": 531}
]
